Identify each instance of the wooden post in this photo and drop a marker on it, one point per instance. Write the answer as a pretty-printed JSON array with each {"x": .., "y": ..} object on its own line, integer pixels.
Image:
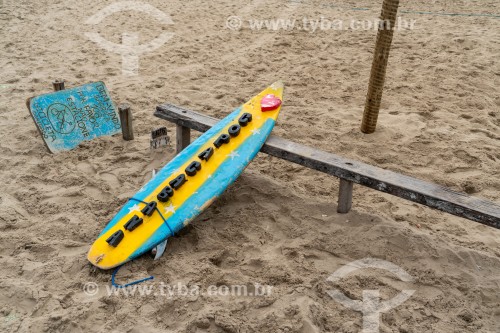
[
  {"x": 58, "y": 85},
  {"x": 126, "y": 121},
  {"x": 379, "y": 65},
  {"x": 345, "y": 196},
  {"x": 183, "y": 138}
]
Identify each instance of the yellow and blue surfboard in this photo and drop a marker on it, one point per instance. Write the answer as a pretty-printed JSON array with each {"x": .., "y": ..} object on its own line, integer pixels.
[{"x": 189, "y": 183}]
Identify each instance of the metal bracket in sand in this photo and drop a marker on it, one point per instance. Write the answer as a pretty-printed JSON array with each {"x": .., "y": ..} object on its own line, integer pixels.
[{"x": 159, "y": 138}]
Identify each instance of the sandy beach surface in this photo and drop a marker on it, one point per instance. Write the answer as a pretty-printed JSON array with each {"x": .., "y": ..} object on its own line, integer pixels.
[{"x": 277, "y": 225}]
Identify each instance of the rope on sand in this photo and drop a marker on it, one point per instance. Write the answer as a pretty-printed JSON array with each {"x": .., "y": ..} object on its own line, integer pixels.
[
  {"x": 127, "y": 284},
  {"x": 113, "y": 276}
]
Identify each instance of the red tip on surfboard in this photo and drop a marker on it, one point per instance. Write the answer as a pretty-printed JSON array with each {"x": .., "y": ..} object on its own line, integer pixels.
[{"x": 269, "y": 103}]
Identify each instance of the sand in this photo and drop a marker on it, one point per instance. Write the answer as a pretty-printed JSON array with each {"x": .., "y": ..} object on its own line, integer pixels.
[{"x": 277, "y": 225}]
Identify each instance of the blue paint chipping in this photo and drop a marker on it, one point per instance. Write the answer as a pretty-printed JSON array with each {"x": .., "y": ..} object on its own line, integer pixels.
[{"x": 66, "y": 118}]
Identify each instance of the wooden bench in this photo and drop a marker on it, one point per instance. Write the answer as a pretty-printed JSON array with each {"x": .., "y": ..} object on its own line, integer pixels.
[{"x": 349, "y": 172}]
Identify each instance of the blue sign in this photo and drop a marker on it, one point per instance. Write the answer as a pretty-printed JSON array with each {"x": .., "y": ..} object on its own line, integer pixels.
[{"x": 66, "y": 118}]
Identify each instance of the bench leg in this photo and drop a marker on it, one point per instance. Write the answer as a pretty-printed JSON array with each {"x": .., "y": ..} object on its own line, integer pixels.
[
  {"x": 183, "y": 138},
  {"x": 345, "y": 196}
]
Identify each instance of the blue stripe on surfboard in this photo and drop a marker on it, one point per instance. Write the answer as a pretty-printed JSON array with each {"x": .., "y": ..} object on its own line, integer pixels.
[
  {"x": 225, "y": 175},
  {"x": 172, "y": 166}
]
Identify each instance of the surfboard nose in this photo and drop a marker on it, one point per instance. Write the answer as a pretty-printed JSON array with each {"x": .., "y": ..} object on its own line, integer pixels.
[{"x": 277, "y": 85}]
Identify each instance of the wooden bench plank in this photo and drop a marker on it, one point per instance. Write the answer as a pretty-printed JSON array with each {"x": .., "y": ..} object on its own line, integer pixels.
[{"x": 409, "y": 188}]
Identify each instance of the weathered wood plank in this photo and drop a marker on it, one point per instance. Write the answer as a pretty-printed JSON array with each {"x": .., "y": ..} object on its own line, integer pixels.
[
  {"x": 345, "y": 196},
  {"x": 409, "y": 188},
  {"x": 183, "y": 134}
]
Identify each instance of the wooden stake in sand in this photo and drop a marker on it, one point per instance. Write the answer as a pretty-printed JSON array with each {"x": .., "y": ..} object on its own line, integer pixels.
[
  {"x": 379, "y": 65},
  {"x": 58, "y": 85},
  {"x": 126, "y": 121}
]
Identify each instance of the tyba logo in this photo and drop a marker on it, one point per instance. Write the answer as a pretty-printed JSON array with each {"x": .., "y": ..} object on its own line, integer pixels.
[
  {"x": 370, "y": 306},
  {"x": 130, "y": 49}
]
